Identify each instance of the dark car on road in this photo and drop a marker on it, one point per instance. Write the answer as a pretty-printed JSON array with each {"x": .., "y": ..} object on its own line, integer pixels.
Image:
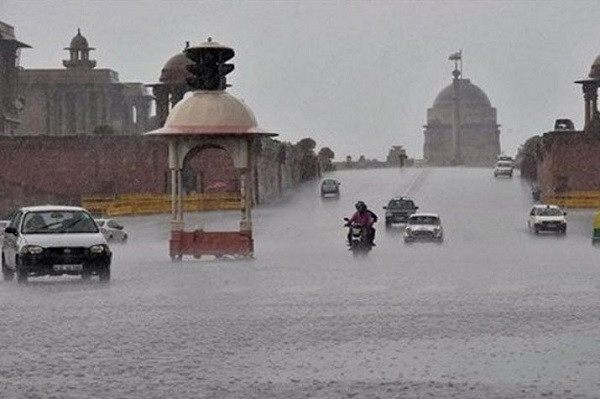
[
  {"x": 398, "y": 210},
  {"x": 330, "y": 187}
]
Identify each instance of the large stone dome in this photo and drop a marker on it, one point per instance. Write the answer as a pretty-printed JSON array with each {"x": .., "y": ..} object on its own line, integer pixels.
[
  {"x": 174, "y": 71},
  {"x": 469, "y": 94}
]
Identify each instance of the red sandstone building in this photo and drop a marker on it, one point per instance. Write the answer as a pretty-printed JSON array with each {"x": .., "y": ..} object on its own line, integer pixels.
[
  {"x": 570, "y": 160},
  {"x": 80, "y": 99},
  {"x": 79, "y": 135}
]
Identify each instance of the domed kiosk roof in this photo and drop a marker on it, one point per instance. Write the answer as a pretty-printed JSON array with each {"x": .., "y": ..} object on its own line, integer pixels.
[
  {"x": 210, "y": 113},
  {"x": 469, "y": 94},
  {"x": 174, "y": 71},
  {"x": 79, "y": 42}
]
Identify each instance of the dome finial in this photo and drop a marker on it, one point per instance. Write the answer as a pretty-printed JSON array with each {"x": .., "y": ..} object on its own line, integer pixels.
[
  {"x": 209, "y": 39},
  {"x": 79, "y": 31}
]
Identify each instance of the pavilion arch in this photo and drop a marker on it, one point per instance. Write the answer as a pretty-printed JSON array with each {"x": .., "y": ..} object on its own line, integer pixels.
[{"x": 208, "y": 167}]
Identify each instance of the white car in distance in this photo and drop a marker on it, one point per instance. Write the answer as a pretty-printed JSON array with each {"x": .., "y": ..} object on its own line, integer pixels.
[
  {"x": 112, "y": 230},
  {"x": 424, "y": 226},
  {"x": 547, "y": 218}
]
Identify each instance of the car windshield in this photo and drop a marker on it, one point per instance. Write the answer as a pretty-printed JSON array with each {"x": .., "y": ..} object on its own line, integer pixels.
[
  {"x": 58, "y": 222},
  {"x": 424, "y": 220},
  {"x": 549, "y": 212},
  {"x": 401, "y": 204}
]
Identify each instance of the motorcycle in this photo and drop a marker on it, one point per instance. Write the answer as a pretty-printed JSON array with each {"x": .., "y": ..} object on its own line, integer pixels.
[{"x": 358, "y": 238}]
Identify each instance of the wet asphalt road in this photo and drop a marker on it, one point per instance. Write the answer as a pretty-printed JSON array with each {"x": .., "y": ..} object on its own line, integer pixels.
[{"x": 493, "y": 312}]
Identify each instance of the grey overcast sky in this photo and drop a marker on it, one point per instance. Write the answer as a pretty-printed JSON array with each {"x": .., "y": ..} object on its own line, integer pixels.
[{"x": 357, "y": 76}]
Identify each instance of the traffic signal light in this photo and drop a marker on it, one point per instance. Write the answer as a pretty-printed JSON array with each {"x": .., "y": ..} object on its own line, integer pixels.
[{"x": 210, "y": 68}]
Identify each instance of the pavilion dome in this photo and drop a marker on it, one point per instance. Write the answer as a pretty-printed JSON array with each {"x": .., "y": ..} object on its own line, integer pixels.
[
  {"x": 469, "y": 94},
  {"x": 210, "y": 113},
  {"x": 595, "y": 70},
  {"x": 79, "y": 42},
  {"x": 211, "y": 108},
  {"x": 174, "y": 71}
]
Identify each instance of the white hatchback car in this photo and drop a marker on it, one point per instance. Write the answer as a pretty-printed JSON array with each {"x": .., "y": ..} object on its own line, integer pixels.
[
  {"x": 54, "y": 240},
  {"x": 112, "y": 230},
  {"x": 547, "y": 218},
  {"x": 424, "y": 226}
]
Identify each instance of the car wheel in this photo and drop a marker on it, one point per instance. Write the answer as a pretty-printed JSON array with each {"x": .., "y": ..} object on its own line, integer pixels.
[
  {"x": 104, "y": 275},
  {"x": 21, "y": 276},
  {"x": 176, "y": 258},
  {"x": 124, "y": 240},
  {"x": 536, "y": 230},
  {"x": 7, "y": 273}
]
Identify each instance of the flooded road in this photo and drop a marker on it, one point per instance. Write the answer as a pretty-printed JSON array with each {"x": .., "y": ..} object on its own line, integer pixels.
[{"x": 493, "y": 312}]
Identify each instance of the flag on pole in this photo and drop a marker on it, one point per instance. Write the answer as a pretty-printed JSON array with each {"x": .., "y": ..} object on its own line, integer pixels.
[{"x": 455, "y": 56}]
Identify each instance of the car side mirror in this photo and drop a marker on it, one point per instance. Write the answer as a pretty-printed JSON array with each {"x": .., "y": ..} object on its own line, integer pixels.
[
  {"x": 11, "y": 230},
  {"x": 385, "y": 207},
  {"x": 346, "y": 219},
  {"x": 565, "y": 213},
  {"x": 416, "y": 207}
]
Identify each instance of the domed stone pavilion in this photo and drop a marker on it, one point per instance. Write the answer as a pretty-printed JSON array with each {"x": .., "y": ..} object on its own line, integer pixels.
[{"x": 479, "y": 134}]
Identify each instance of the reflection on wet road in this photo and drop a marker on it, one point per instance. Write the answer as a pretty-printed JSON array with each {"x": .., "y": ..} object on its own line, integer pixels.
[{"x": 493, "y": 312}]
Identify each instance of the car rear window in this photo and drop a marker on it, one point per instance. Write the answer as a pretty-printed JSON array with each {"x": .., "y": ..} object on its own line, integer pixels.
[{"x": 401, "y": 204}]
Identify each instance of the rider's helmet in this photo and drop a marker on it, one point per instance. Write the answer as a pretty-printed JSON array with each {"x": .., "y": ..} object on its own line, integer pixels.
[{"x": 360, "y": 206}]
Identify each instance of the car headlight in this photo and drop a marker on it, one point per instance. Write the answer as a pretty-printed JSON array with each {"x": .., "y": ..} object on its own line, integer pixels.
[
  {"x": 98, "y": 249},
  {"x": 32, "y": 249},
  {"x": 388, "y": 213}
]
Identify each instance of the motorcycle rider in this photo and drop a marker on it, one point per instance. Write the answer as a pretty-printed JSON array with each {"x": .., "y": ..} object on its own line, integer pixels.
[{"x": 365, "y": 218}]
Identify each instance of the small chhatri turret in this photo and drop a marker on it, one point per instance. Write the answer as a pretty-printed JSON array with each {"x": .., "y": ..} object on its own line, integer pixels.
[{"x": 79, "y": 52}]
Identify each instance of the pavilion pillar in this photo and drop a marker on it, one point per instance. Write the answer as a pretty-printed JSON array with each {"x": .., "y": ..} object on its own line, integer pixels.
[{"x": 176, "y": 185}]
